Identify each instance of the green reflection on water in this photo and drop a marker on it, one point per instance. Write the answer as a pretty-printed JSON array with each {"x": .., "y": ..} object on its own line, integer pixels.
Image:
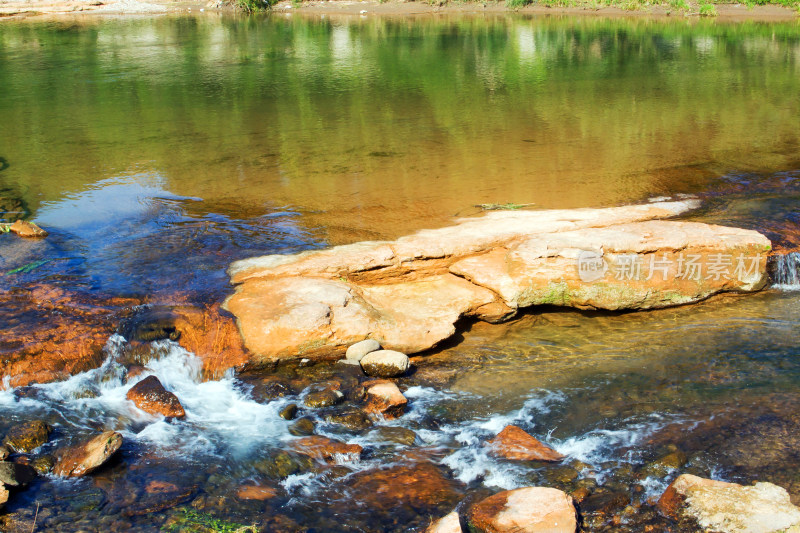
[{"x": 379, "y": 127}]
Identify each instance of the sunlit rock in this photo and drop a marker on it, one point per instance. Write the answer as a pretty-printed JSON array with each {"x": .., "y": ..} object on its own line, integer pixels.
[
  {"x": 385, "y": 364},
  {"x": 514, "y": 443},
  {"x": 447, "y": 524},
  {"x": 527, "y": 510},
  {"x": 150, "y": 396},
  {"x": 84, "y": 458},
  {"x": 326, "y": 450},
  {"x": 384, "y": 399},
  {"x": 15, "y": 474},
  {"x": 408, "y": 294},
  {"x": 730, "y": 508},
  {"x": 357, "y": 351},
  {"x": 28, "y": 436},
  {"x": 24, "y": 228}
]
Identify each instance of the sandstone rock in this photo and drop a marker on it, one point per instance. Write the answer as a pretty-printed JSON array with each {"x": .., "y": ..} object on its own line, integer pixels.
[
  {"x": 23, "y": 228},
  {"x": 447, "y": 524},
  {"x": 730, "y": 508},
  {"x": 357, "y": 351},
  {"x": 84, "y": 458},
  {"x": 385, "y": 364},
  {"x": 150, "y": 396},
  {"x": 514, "y": 443},
  {"x": 385, "y": 399},
  {"x": 527, "y": 510},
  {"x": 15, "y": 474},
  {"x": 3, "y": 496},
  {"x": 28, "y": 436},
  {"x": 255, "y": 492},
  {"x": 327, "y": 450},
  {"x": 408, "y": 294}
]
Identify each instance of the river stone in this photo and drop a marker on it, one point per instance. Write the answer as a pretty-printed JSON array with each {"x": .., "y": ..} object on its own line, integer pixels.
[
  {"x": 514, "y": 443},
  {"x": 24, "y": 228},
  {"x": 16, "y": 475},
  {"x": 323, "y": 398},
  {"x": 4, "y": 452},
  {"x": 396, "y": 434},
  {"x": 289, "y": 412},
  {"x": 357, "y": 351},
  {"x": 281, "y": 464},
  {"x": 302, "y": 427},
  {"x": 352, "y": 419},
  {"x": 150, "y": 396},
  {"x": 410, "y": 293},
  {"x": 44, "y": 464},
  {"x": 385, "y": 364},
  {"x": 327, "y": 450},
  {"x": 447, "y": 524},
  {"x": 27, "y": 437},
  {"x": 3, "y": 496},
  {"x": 729, "y": 507},
  {"x": 84, "y": 458},
  {"x": 527, "y": 510},
  {"x": 384, "y": 399}
]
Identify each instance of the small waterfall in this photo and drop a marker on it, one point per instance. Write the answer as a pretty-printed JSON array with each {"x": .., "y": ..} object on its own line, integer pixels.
[{"x": 785, "y": 271}]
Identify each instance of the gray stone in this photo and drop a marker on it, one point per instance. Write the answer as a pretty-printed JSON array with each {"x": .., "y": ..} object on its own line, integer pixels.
[
  {"x": 16, "y": 475},
  {"x": 357, "y": 351},
  {"x": 385, "y": 364}
]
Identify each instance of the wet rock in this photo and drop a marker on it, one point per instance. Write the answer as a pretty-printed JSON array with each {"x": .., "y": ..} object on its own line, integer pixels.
[
  {"x": 580, "y": 494},
  {"x": 268, "y": 388},
  {"x": 150, "y": 323},
  {"x": 385, "y": 364},
  {"x": 327, "y": 450},
  {"x": 302, "y": 426},
  {"x": 23, "y": 228},
  {"x": 729, "y": 507},
  {"x": 256, "y": 492},
  {"x": 421, "y": 487},
  {"x": 158, "y": 496},
  {"x": 289, "y": 412},
  {"x": 27, "y": 437},
  {"x": 396, "y": 434},
  {"x": 354, "y": 419},
  {"x": 4, "y": 453},
  {"x": 385, "y": 399},
  {"x": 604, "y": 503},
  {"x": 450, "y": 523},
  {"x": 150, "y": 396},
  {"x": 16, "y": 475},
  {"x": 3, "y": 496},
  {"x": 43, "y": 465},
  {"x": 514, "y": 443},
  {"x": 323, "y": 398},
  {"x": 562, "y": 475},
  {"x": 357, "y": 351},
  {"x": 281, "y": 464},
  {"x": 666, "y": 464},
  {"x": 84, "y": 458},
  {"x": 527, "y": 510}
]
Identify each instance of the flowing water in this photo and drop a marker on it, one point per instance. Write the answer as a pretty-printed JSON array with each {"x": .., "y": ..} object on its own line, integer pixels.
[{"x": 158, "y": 150}]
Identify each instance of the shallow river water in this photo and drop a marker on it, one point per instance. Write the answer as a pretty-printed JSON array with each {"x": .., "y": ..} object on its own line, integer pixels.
[{"x": 158, "y": 150}]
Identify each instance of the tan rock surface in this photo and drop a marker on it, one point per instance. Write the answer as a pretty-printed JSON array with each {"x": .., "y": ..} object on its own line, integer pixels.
[
  {"x": 515, "y": 443},
  {"x": 447, "y": 524},
  {"x": 729, "y": 507},
  {"x": 527, "y": 510},
  {"x": 83, "y": 459},
  {"x": 409, "y": 294}
]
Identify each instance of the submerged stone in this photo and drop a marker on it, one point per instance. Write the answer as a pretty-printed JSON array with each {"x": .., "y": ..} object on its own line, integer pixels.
[
  {"x": 302, "y": 427},
  {"x": 27, "y": 437},
  {"x": 327, "y": 450},
  {"x": 352, "y": 419},
  {"x": 323, "y": 398},
  {"x": 15, "y": 474}
]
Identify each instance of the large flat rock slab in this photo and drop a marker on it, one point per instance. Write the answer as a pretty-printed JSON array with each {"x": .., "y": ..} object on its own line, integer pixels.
[{"x": 409, "y": 294}]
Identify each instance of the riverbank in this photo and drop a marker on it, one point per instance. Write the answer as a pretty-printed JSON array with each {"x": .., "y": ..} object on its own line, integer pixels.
[{"x": 16, "y": 9}]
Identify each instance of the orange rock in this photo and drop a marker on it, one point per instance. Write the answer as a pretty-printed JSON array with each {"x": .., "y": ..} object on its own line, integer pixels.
[
  {"x": 420, "y": 486},
  {"x": 255, "y": 492},
  {"x": 84, "y": 458},
  {"x": 514, "y": 443},
  {"x": 150, "y": 396},
  {"x": 23, "y": 228},
  {"x": 159, "y": 487},
  {"x": 325, "y": 449},
  {"x": 385, "y": 399}
]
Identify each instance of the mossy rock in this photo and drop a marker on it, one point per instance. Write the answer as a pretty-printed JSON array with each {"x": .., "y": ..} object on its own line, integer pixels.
[{"x": 27, "y": 437}]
